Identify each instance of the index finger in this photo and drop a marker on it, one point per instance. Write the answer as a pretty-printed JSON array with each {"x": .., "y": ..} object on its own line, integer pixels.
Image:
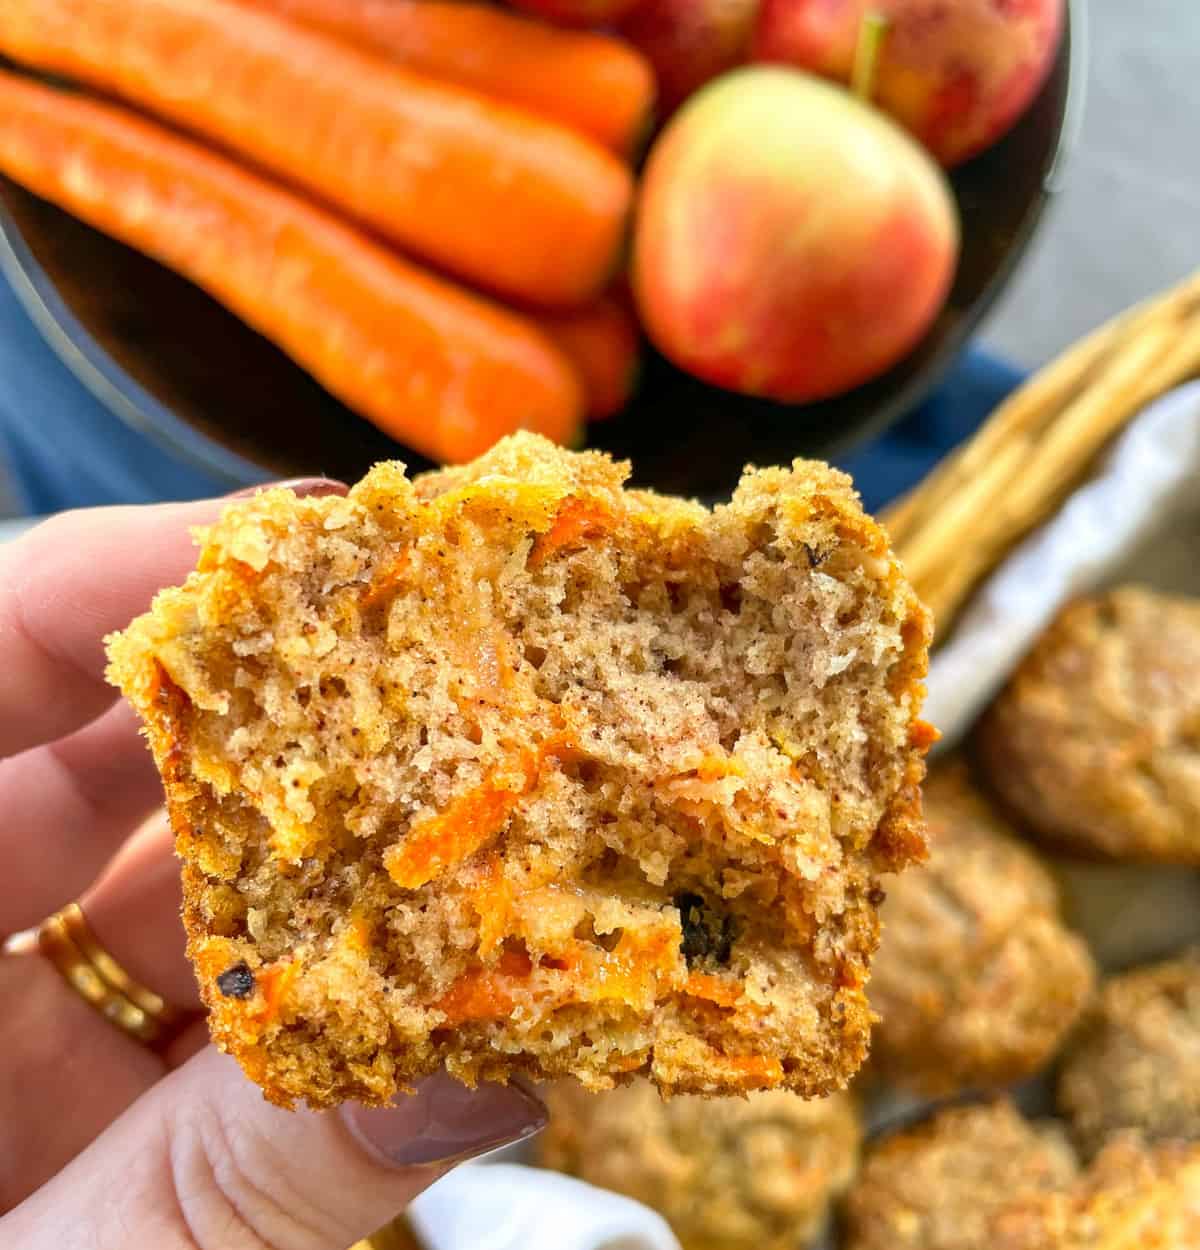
[{"x": 67, "y": 584}]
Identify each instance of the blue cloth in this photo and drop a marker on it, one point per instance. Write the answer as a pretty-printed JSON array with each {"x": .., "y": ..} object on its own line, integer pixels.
[
  {"x": 64, "y": 449},
  {"x": 899, "y": 459}
]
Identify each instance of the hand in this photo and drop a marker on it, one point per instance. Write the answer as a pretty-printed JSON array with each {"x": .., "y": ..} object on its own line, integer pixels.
[{"x": 105, "y": 1142}]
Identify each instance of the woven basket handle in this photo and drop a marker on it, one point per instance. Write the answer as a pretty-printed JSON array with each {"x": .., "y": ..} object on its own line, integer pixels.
[{"x": 955, "y": 527}]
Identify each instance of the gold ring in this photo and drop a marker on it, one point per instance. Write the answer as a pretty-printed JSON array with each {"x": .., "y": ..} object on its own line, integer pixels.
[{"x": 69, "y": 944}]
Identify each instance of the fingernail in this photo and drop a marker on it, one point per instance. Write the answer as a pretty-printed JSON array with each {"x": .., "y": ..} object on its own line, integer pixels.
[
  {"x": 444, "y": 1122},
  {"x": 304, "y": 486}
]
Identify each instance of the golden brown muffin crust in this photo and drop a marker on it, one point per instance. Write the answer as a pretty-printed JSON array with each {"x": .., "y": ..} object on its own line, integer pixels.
[
  {"x": 977, "y": 981},
  {"x": 1136, "y": 1063},
  {"x": 757, "y": 1172},
  {"x": 1095, "y": 742},
  {"x": 1133, "y": 1197},
  {"x": 941, "y": 1185},
  {"x": 509, "y": 768}
]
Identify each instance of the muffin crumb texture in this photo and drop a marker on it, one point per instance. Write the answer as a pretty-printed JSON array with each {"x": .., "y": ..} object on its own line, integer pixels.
[{"x": 509, "y": 768}]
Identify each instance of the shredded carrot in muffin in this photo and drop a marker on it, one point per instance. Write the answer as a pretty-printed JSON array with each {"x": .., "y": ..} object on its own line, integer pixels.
[
  {"x": 469, "y": 821},
  {"x": 578, "y": 521}
]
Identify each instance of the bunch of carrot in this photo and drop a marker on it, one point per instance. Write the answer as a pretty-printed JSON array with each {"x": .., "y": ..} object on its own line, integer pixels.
[{"x": 365, "y": 182}]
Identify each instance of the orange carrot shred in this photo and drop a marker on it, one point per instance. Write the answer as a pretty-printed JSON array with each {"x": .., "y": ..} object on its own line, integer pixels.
[
  {"x": 469, "y": 821},
  {"x": 578, "y": 521},
  {"x": 274, "y": 983},
  {"x": 757, "y": 1071},
  {"x": 712, "y": 989},
  {"x": 485, "y": 993},
  {"x": 387, "y": 581}
]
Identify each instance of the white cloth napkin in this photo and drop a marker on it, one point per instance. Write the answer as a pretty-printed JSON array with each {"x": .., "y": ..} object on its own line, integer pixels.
[
  {"x": 1151, "y": 474},
  {"x": 504, "y": 1206}
]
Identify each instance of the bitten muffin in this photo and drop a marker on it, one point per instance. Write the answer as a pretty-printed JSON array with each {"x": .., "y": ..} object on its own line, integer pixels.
[
  {"x": 941, "y": 1185},
  {"x": 1136, "y": 1062},
  {"x": 508, "y": 768},
  {"x": 977, "y": 981},
  {"x": 1133, "y": 1197},
  {"x": 1095, "y": 742},
  {"x": 757, "y": 1172}
]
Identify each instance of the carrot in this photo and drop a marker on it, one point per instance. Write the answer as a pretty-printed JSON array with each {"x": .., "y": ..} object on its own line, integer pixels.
[
  {"x": 603, "y": 344},
  {"x": 512, "y": 202},
  {"x": 470, "y": 820},
  {"x": 578, "y": 521},
  {"x": 752, "y": 1071},
  {"x": 713, "y": 989},
  {"x": 577, "y": 12},
  {"x": 587, "y": 81},
  {"x": 486, "y": 993},
  {"x": 274, "y": 982},
  {"x": 440, "y": 369},
  {"x": 444, "y": 840}
]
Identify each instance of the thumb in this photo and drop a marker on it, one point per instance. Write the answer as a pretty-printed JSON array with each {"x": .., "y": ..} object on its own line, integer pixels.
[{"x": 203, "y": 1162}]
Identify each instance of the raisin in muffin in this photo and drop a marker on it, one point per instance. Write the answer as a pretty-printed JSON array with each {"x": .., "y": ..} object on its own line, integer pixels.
[
  {"x": 509, "y": 768},
  {"x": 977, "y": 981},
  {"x": 941, "y": 1185},
  {"x": 756, "y": 1172},
  {"x": 1095, "y": 742},
  {"x": 1136, "y": 1063}
]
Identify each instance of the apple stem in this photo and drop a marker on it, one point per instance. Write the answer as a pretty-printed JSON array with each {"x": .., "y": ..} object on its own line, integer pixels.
[{"x": 871, "y": 36}]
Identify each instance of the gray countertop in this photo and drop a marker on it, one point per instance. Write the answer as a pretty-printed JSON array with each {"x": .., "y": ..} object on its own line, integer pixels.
[{"x": 1127, "y": 220}]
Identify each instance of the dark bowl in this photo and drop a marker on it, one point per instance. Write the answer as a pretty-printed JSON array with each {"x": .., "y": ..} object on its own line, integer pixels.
[{"x": 172, "y": 363}]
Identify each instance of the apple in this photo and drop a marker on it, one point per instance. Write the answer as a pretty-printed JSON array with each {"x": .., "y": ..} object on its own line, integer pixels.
[
  {"x": 956, "y": 73},
  {"x": 689, "y": 41},
  {"x": 576, "y": 12},
  {"x": 790, "y": 241}
]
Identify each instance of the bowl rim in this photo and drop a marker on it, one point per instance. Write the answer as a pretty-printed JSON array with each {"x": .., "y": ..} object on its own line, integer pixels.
[
  {"x": 138, "y": 408},
  {"x": 1051, "y": 182}
]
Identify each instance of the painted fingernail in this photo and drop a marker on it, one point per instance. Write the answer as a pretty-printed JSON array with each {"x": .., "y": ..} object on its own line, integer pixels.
[
  {"x": 303, "y": 486},
  {"x": 443, "y": 1122}
]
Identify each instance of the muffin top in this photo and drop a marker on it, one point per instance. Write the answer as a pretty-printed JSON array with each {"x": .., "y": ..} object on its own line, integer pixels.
[
  {"x": 940, "y": 1185},
  {"x": 725, "y": 1174},
  {"x": 977, "y": 981},
  {"x": 1136, "y": 1062},
  {"x": 1095, "y": 742}
]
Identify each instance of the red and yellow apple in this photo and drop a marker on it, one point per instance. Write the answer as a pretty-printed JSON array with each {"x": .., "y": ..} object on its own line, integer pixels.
[
  {"x": 689, "y": 42},
  {"x": 790, "y": 242},
  {"x": 956, "y": 73}
]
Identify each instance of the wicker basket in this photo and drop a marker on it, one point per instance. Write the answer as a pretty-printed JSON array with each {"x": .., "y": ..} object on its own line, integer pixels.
[{"x": 966, "y": 516}]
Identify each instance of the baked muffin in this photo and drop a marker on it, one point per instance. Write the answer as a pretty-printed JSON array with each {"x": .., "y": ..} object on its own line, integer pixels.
[
  {"x": 976, "y": 980},
  {"x": 1133, "y": 1197},
  {"x": 758, "y": 1172},
  {"x": 1136, "y": 1062},
  {"x": 509, "y": 768},
  {"x": 941, "y": 1185},
  {"x": 1095, "y": 742}
]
